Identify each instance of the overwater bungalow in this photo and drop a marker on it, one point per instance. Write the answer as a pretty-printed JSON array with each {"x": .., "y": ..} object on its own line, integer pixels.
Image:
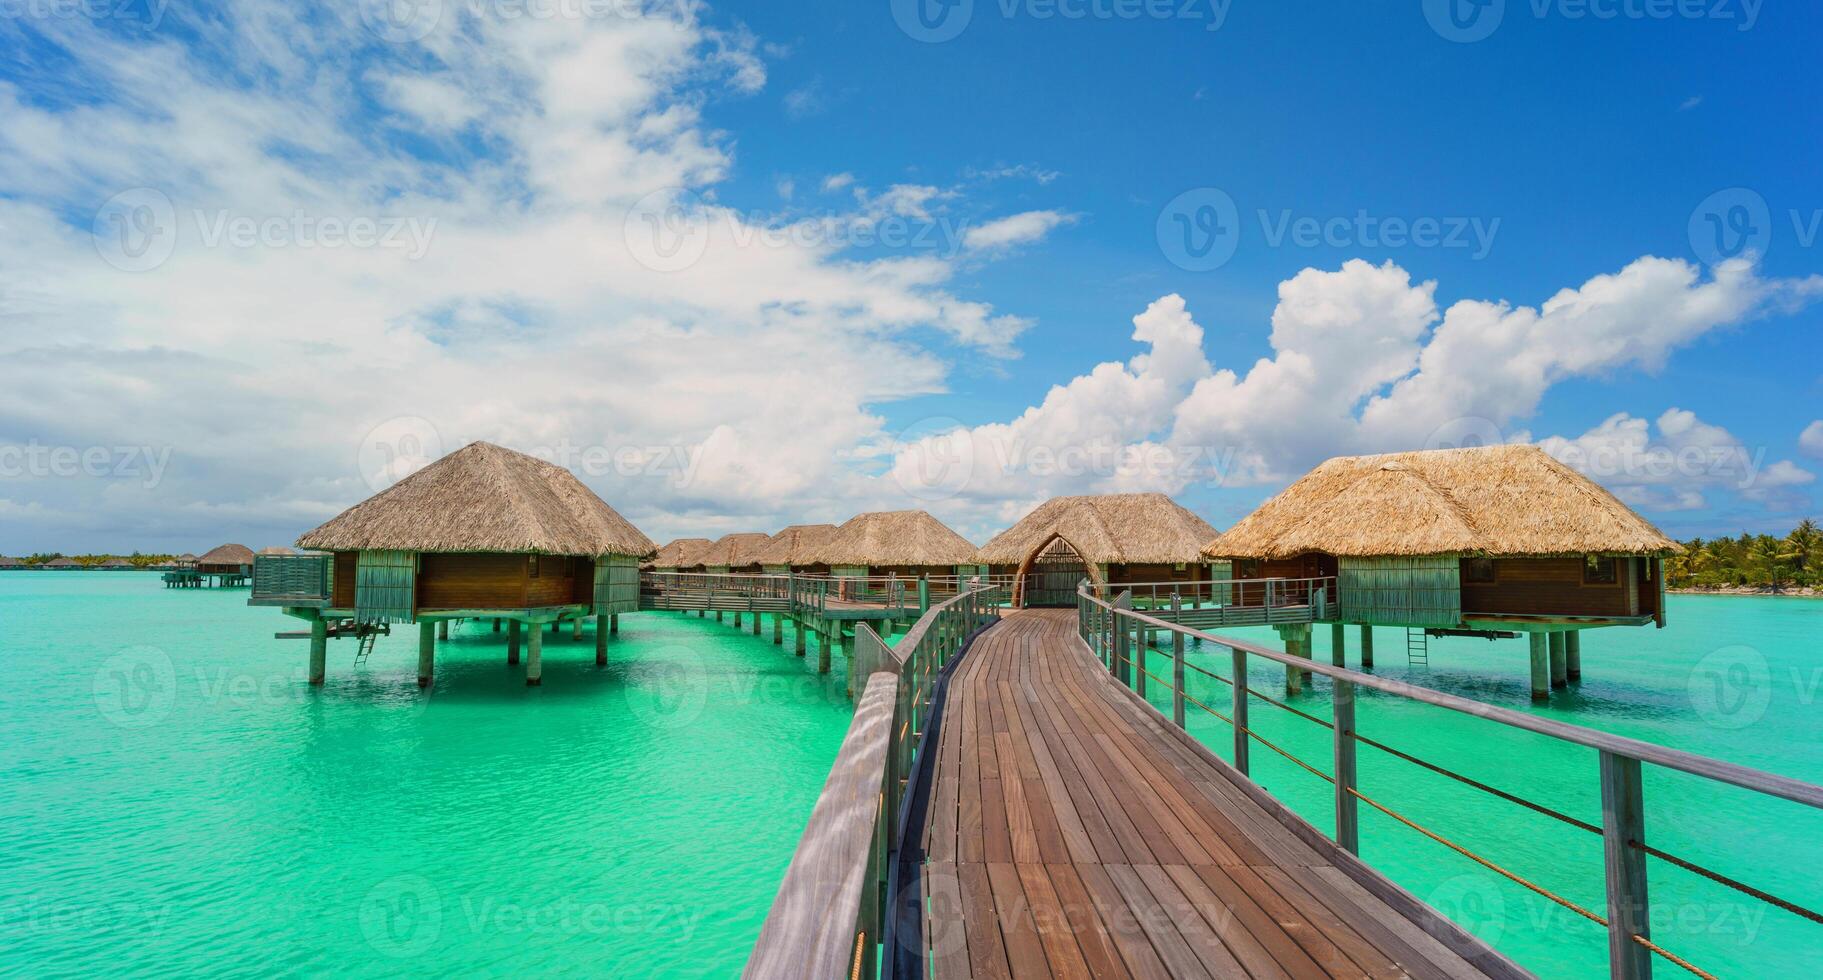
[
  {"x": 905, "y": 543},
  {"x": 228, "y": 566},
  {"x": 794, "y": 550},
  {"x": 118, "y": 565},
  {"x": 483, "y": 533},
  {"x": 1111, "y": 540},
  {"x": 62, "y": 565},
  {"x": 1490, "y": 541},
  {"x": 679, "y": 555},
  {"x": 10, "y": 564},
  {"x": 734, "y": 554}
]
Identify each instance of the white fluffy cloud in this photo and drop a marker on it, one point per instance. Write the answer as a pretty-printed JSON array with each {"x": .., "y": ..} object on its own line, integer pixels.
[
  {"x": 1363, "y": 361},
  {"x": 1672, "y": 469},
  {"x": 1015, "y": 229},
  {"x": 514, "y": 304},
  {"x": 1811, "y": 439}
]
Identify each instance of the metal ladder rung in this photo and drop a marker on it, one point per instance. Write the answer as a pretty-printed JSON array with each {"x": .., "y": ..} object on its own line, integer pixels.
[{"x": 1417, "y": 647}]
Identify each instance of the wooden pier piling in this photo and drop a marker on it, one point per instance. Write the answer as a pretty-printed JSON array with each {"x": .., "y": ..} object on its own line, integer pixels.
[
  {"x": 1367, "y": 647},
  {"x": 602, "y": 629},
  {"x": 1559, "y": 668},
  {"x": 512, "y": 642},
  {"x": 798, "y": 627},
  {"x": 1541, "y": 666},
  {"x": 1338, "y": 645},
  {"x": 534, "y": 658},
  {"x": 319, "y": 650},
  {"x": 427, "y": 652},
  {"x": 1572, "y": 655}
]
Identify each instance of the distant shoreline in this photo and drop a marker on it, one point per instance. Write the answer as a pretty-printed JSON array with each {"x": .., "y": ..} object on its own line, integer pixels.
[{"x": 1807, "y": 592}]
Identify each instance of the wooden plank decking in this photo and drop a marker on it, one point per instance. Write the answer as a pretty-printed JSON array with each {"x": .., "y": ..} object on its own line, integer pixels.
[{"x": 1069, "y": 834}]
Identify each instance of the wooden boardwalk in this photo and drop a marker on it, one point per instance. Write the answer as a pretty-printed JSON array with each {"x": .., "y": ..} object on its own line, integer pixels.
[{"x": 1069, "y": 833}]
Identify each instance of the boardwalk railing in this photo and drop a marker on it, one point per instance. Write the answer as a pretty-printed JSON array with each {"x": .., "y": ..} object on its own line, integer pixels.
[
  {"x": 736, "y": 593},
  {"x": 832, "y": 912},
  {"x": 1115, "y": 632},
  {"x": 1230, "y": 602}
]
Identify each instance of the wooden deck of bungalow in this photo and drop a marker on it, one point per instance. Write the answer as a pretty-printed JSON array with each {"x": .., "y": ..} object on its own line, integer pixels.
[{"x": 1071, "y": 833}]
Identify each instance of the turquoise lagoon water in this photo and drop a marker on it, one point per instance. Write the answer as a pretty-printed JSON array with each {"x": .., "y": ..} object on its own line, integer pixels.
[
  {"x": 175, "y": 800},
  {"x": 1737, "y": 678}
]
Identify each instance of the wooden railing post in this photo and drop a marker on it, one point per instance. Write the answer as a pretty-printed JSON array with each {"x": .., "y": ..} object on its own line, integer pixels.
[
  {"x": 1623, "y": 826},
  {"x": 1177, "y": 664},
  {"x": 1122, "y": 657},
  {"x": 1347, "y": 825},
  {"x": 1239, "y": 709}
]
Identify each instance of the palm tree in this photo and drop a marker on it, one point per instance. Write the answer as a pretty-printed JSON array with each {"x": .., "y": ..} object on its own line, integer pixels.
[
  {"x": 1771, "y": 559},
  {"x": 1805, "y": 543}
]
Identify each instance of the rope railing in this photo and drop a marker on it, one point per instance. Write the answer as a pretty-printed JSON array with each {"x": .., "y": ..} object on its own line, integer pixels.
[{"x": 1114, "y": 631}]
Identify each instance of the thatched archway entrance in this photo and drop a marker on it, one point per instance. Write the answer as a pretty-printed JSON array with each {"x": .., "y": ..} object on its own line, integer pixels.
[{"x": 1050, "y": 576}]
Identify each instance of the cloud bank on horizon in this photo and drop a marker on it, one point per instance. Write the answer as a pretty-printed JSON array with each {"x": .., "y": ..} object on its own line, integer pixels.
[{"x": 296, "y": 260}]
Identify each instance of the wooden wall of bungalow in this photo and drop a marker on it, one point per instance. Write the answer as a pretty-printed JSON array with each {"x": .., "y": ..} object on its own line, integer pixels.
[
  {"x": 813, "y": 568},
  {"x": 1444, "y": 590},
  {"x": 402, "y": 585}
]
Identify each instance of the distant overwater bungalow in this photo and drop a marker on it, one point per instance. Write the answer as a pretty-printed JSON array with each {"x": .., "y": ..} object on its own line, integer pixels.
[
  {"x": 118, "y": 565},
  {"x": 483, "y": 533},
  {"x": 62, "y": 565},
  {"x": 794, "y": 550},
  {"x": 679, "y": 556},
  {"x": 1111, "y": 541},
  {"x": 733, "y": 554},
  {"x": 1496, "y": 541}
]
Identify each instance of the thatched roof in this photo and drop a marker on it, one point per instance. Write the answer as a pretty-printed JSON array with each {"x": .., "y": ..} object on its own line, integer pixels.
[
  {"x": 796, "y": 545},
  {"x": 483, "y": 498},
  {"x": 733, "y": 550},
  {"x": 276, "y": 550},
  {"x": 186, "y": 556},
  {"x": 6, "y": 562},
  {"x": 898, "y": 537},
  {"x": 228, "y": 554},
  {"x": 62, "y": 563},
  {"x": 680, "y": 553},
  {"x": 1489, "y": 500},
  {"x": 117, "y": 563},
  {"x": 1115, "y": 528}
]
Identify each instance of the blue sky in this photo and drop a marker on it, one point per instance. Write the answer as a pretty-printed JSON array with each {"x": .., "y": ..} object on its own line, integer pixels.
[{"x": 1035, "y": 162}]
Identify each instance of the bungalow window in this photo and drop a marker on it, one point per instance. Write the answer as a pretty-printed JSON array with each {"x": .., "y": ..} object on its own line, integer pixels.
[
  {"x": 1247, "y": 568},
  {"x": 1600, "y": 571},
  {"x": 532, "y": 566},
  {"x": 1478, "y": 571}
]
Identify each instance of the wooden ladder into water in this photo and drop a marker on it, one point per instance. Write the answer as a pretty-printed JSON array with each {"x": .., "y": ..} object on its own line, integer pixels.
[{"x": 1417, "y": 647}]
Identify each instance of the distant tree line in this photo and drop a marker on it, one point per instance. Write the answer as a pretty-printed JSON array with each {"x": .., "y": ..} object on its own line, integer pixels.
[
  {"x": 90, "y": 561},
  {"x": 1751, "y": 560}
]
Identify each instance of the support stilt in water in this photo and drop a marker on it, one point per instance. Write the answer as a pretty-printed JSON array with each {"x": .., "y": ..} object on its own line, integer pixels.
[
  {"x": 737, "y": 619},
  {"x": 427, "y": 652},
  {"x": 614, "y": 624},
  {"x": 756, "y": 624},
  {"x": 1541, "y": 666},
  {"x": 1572, "y": 655},
  {"x": 778, "y": 629},
  {"x": 601, "y": 641},
  {"x": 798, "y": 626},
  {"x": 534, "y": 659},
  {"x": 496, "y": 624},
  {"x": 823, "y": 645},
  {"x": 1559, "y": 669},
  {"x": 512, "y": 642},
  {"x": 319, "y": 649},
  {"x": 1338, "y": 645},
  {"x": 576, "y": 628},
  {"x": 1367, "y": 647},
  {"x": 718, "y": 616},
  {"x": 443, "y": 630}
]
